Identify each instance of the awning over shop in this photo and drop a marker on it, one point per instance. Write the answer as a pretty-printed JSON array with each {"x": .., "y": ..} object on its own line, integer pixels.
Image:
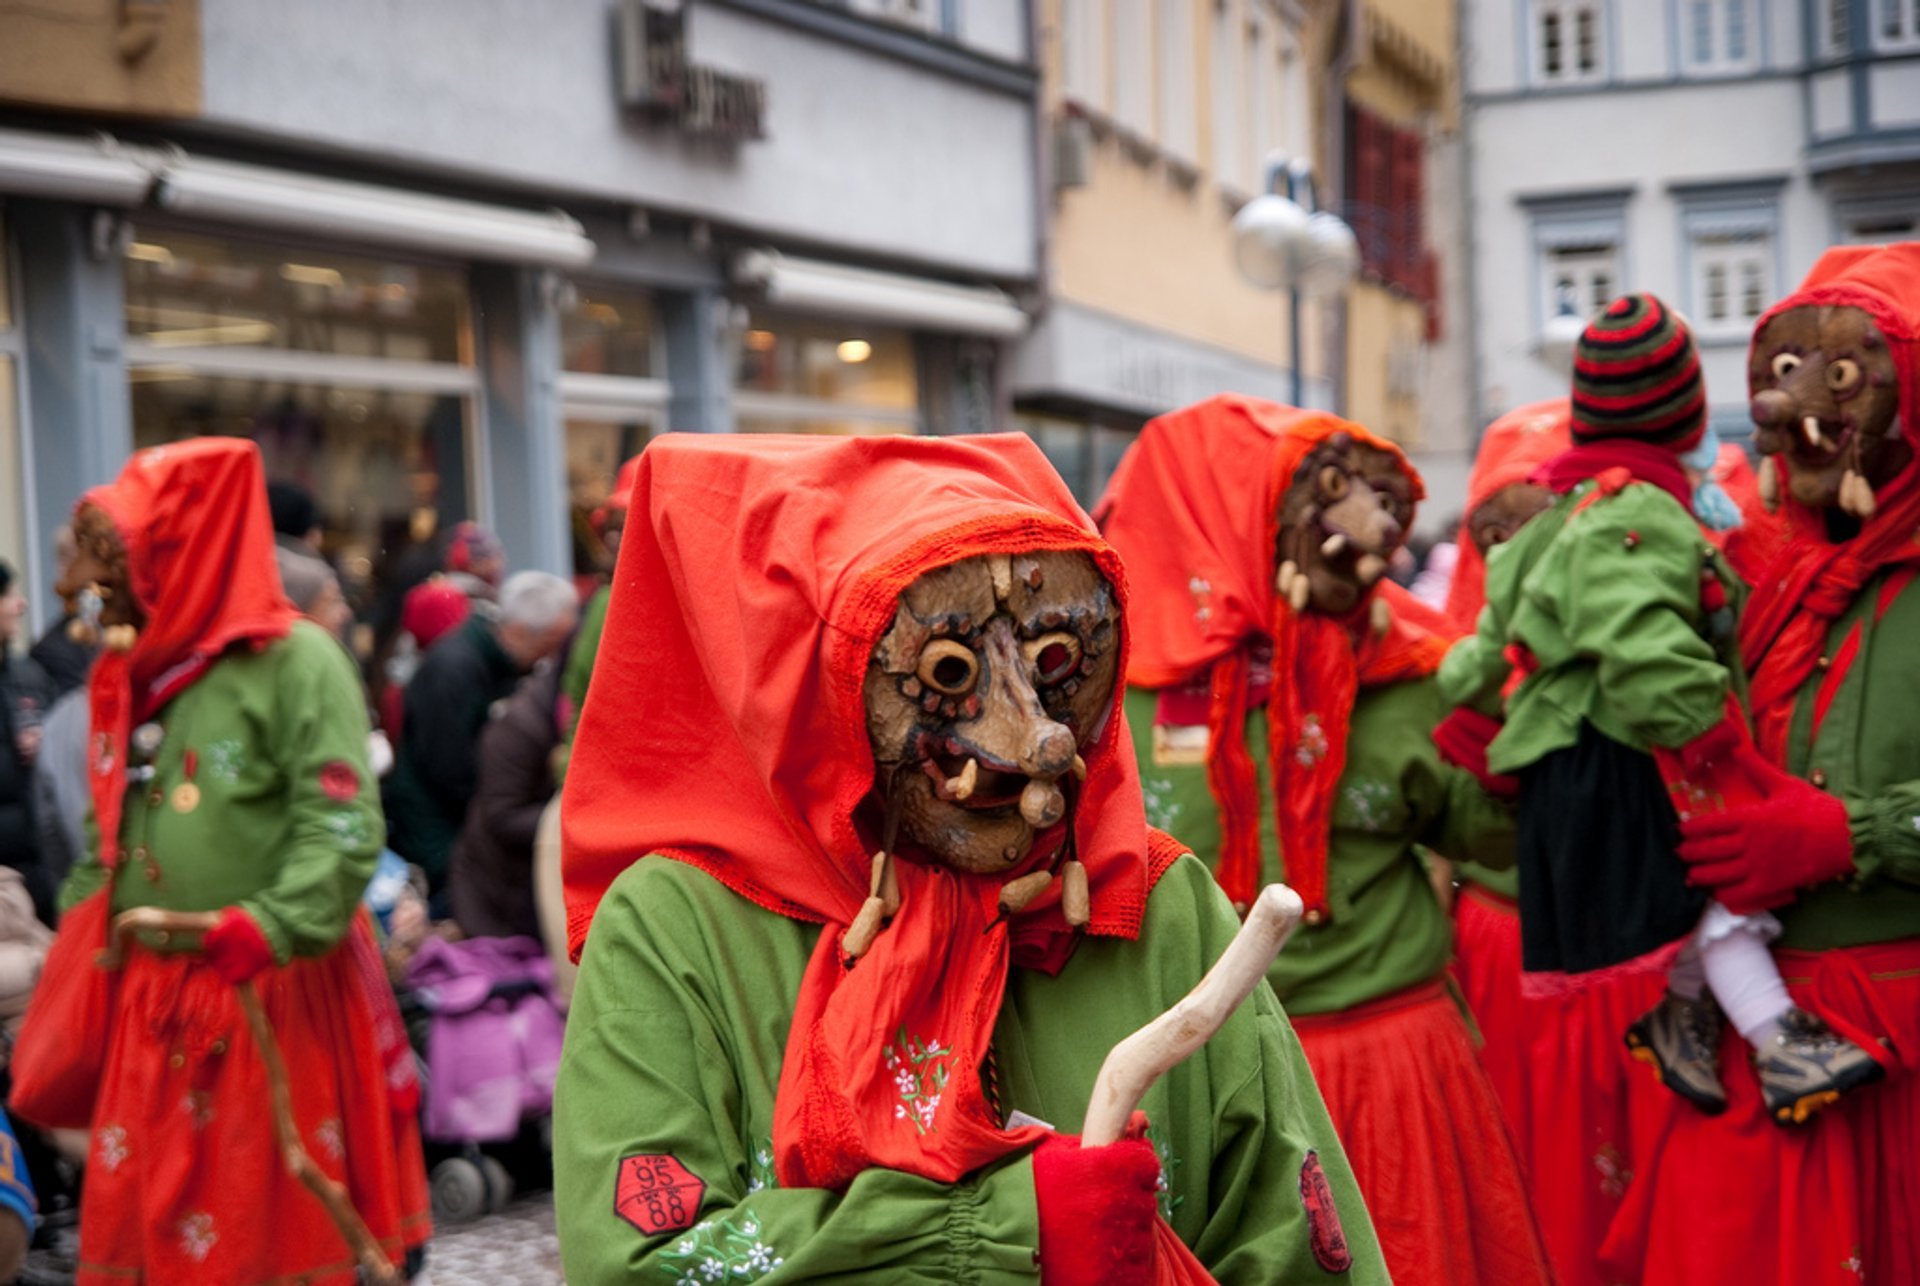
[
  {"x": 815, "y": 286},
  {"x": 73, "y": 168},
  {"x": 265, "y": 197}
]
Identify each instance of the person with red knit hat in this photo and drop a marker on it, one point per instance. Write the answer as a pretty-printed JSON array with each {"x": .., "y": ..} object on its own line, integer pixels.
[
  {"x": 1618, "y": 615},
  {"x": 863, "y": 892},
  {"x": 1556, "y": 1063},
  {"x": 228, "y": 772},
  {"x": 1281, "y": 695},
  {"x": 1830, "y": 841}
]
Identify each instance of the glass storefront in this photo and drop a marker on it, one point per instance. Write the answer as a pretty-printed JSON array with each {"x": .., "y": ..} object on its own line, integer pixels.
[
  {"x": 807, "y": 375},
  {"x": 613, "y": 401},
  {"x": 1084, "y": 454},
  {"x": 13, "y": 490},
  {"x": 355, "y": 375}
]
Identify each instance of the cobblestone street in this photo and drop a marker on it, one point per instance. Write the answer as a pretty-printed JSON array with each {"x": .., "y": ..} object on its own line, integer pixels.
[{"x": 516, "y": 1247}]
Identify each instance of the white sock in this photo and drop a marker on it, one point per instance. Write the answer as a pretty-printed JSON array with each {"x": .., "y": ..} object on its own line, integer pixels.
[
  {"x": 1741, "y": 972},
  {"x": 1687, "y": 977}
]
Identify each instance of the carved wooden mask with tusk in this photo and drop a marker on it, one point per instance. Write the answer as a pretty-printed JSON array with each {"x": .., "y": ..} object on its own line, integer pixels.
[
  {"x": 995, "y": 672},
  {"x": 1345, "y": 515}
]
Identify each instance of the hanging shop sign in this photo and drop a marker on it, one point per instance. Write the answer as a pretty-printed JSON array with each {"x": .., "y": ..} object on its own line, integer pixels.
[{"x": 658, "y": 79}]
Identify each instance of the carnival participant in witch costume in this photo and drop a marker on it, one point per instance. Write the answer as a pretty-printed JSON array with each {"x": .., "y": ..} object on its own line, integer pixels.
[
  {"x": 1828, "y": 842},
  {"x": 858, "y": 932},
  {"x": 228, "y": 773},
  {"x": 1556, "y": 1063},
  {"x": 1282, "y": 701},
  {"x": 1617, "y": 612}
]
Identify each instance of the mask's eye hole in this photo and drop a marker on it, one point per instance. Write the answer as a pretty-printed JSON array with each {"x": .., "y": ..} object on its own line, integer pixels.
[
  {"x": 1843, "y": 374},
  {"x": 1056, "y": 656},
  {"x": 949, "y": 668},
  {"x": 1333, "y": 482},
  {"x": 1785, "y": 364}
]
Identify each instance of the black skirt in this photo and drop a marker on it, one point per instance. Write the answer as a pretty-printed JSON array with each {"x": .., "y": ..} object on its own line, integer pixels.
[{"x": 1601, "y": 880}]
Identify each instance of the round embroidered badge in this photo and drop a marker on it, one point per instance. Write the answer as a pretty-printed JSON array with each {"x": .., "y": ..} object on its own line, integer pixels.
[{"x": 340, "y": 781}]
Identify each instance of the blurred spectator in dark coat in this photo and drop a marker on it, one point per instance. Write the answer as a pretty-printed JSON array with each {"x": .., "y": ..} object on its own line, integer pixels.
[
  {"x": 26, "y": 694},
  {"x": 490, "y": 879}
]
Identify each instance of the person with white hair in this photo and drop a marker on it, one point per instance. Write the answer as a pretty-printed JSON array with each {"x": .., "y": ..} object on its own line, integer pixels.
[{"x": 448, "y": 702}]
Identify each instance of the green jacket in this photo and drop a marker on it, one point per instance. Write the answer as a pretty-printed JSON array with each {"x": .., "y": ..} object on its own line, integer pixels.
[
  {"x": 1868, "y": 754},
  {"x": 1388, "y": 931},
  {"x": 286, "y": 823},
  {"x": 674, "y": 1046},
  {"x": 575, "y": 679},
  {"x": 1607, "y": 599}
]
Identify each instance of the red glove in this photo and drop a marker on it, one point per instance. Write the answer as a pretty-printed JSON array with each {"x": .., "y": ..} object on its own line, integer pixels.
[
  {"x": 1098, "y": 1207},
  {"x": 1757, "y": 856},
  {"x": 235, "y": 947},
  {"x": 1463, "y": 738}
]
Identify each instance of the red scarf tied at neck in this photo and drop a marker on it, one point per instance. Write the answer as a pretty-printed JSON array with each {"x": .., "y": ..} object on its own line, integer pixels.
[
  {"x": 726, "y": 729},
  {"x": 1813, "y": 579},
  {"x": 199, "y": 538},
  {"x": 1193, "y": 508}
]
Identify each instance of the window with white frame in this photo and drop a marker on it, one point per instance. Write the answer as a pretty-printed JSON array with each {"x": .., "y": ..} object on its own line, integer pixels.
[
  {"x": 1568, "y": 39},
  {"x": 1179, "y": 124},
  {"x": 1580, "y": 256},
  {"x": 1878, "y": 220},
  {"x": 1229, "y": 151},
  {"x": 1836, "y": 27},
  {"x": 1718, "y": 36},
  {"x": 1133, "y": 68},
  {"x": 1083, "y": 38},
  {"x": 921, "y": 15},
  {"x": 1731, "y": 248},
  {"x": 1898, "y": 25}
]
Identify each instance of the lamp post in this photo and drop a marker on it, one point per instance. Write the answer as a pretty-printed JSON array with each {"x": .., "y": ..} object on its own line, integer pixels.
[{"x": 1281, "y": 241}]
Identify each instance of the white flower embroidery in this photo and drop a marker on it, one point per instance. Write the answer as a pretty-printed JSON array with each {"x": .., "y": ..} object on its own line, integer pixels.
[
  {"x": 197, "y": 1235},
  {"x": 111, "y": 1141},
  {"x": 760, "y": 1259},
  {"x": 712, "y": 1269}
]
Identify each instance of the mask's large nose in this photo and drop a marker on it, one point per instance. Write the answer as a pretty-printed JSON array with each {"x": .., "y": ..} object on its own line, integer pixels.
[{"x": 1014, "y": 726}]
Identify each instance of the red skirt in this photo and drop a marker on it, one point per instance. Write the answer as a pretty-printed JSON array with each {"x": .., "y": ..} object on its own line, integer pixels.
[
  {"x": 1736, "y": 1198},
  {"x": 1426, "y": 1140},
  {"x": 184, "y": 1181},
  {"x": 1564, "y": 1078}
]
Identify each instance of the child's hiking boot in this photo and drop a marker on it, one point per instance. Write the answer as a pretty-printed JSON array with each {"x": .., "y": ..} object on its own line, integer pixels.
[
  {"x": 1808, "y": 1066},
  {"x": 1680, "y": 1039}
]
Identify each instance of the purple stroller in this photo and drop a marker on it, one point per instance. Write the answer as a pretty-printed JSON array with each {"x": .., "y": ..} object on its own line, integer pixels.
[{"x": 492, "y": 1051}]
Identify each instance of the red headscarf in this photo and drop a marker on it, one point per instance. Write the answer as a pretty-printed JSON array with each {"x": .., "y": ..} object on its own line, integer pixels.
[
  {"x": 726, "y": 729},
  {"x": 1513, "y": 447},
  {"x": 1814, "y": 579},
  {"x": 1193, "y": 508},
  {"x": 199, "y": 540}
]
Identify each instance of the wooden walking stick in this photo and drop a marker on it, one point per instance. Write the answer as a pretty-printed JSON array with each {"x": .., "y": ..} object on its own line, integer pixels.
[
  {"x": 1157, "y": 1048},
  {"x": 332, "y": 1194}
]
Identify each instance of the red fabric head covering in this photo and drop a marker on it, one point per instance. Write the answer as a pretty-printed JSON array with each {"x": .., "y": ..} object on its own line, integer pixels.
[
  {"x": 471, "y": 543},
  {"x": 1813, "y": 579},
  {"x": 1193, "y": 508},
  {"x": 1512, "y": 448},
  {"x": 431, "y": 608},
  {"x": 199, "y": 540},
  {"x": 726, "y": 729}
]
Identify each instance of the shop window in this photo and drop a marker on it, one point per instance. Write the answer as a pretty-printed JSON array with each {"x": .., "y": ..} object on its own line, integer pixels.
[
  {"x": 1718, "y": 36},
  {"x": 1085, "y": 455},
  {"x": 1567, "y": 42},
  {"x": 807, "y": 375},
  {"x": 13, "y": 489},
  {"x": 613, "y": 401},
  {"x": 354, "y": 375}
]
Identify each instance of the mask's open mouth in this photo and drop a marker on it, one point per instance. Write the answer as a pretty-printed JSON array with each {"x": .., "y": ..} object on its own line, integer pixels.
[
  {"x": 1815, "y": 443},
  {"x": 968, "y": 779},
  {"x": 1346, "y": 558}
]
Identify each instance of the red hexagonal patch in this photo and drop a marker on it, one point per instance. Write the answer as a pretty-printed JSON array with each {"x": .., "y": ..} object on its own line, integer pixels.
[{"x": 656, "y": 1194}]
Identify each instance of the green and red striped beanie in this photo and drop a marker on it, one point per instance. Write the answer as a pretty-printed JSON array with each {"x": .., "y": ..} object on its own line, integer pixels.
[{"x": 1636, "y": 375}]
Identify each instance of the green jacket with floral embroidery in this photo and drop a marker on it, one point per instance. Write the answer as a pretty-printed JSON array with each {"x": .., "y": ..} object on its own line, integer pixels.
[
  {"x": 1388, "y": 931},
  {"x": 1867, "y": 752},
  {"x": 673, "y": 1054},
  {"x": 260, "y": 798}
]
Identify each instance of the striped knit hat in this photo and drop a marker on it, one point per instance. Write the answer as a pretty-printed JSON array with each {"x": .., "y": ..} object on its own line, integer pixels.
[{"x": 1636, "y": 375}]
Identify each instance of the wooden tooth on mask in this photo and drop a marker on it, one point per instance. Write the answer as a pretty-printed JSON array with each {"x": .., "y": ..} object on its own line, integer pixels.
[
  {"x": 119, "y": 638},
  {"x": 1042, "y": 804},
  {"x": 1370, "y": 568},
  {"x": 1079, "y": 768},
  {"x": 1075, "y": 902},
  {"x": 1770, "y": 483},
  {"x": 885, "y": 884},
  {"x": 1017, "y": 894},
  {"x": 1380, "y": 616},
  {"x": 1856, "y": 496},
  {"x": 864, "y": 929}
]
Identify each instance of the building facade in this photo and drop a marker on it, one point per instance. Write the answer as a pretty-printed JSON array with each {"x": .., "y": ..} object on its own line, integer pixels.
[
  {"x": 1706, "y": 150},
  {"x": 460, "y": 259},
  {"x": 1157, "y": 117}
]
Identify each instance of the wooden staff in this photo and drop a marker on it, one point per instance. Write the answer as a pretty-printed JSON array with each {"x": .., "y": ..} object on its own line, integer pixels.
[
  {"x": 332, "y": 1194},
  {"x": 1157, "y": 1048}
]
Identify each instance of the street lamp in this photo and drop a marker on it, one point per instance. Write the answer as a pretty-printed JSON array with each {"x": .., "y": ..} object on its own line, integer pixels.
[{"x": 1281, "y": 242}]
